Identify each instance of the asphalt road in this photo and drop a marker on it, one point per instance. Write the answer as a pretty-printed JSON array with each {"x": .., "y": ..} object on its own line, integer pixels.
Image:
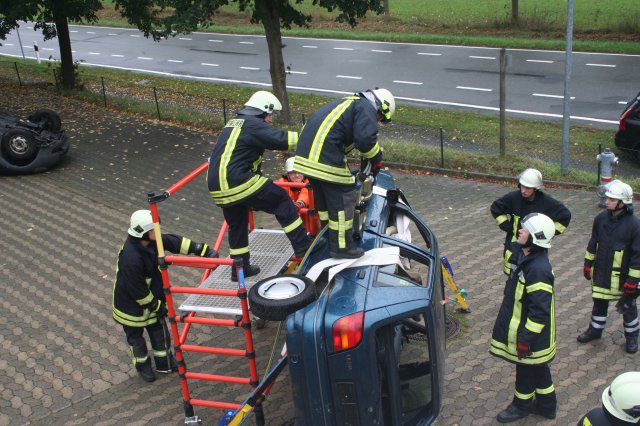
[{"x": 456, "y": 77}]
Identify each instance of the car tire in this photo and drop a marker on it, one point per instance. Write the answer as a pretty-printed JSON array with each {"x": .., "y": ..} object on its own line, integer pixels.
[
  {"x": 19, "y": 147},
  {"x": 47, "y": 119},
  {"x": 275, "y": 298}
]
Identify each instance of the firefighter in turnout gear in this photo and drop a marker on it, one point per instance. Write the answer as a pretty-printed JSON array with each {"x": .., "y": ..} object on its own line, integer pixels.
[
  {"x": 620, "y": 403},
  {"x": 329, "y": 135},
  {"x": 509, "y": 210},
  {"x": 138, "y": 301},
  {"x": 524, "y": 332},
  {"x": 236, "y": 184},
  {"x": 612, "y": 265}
]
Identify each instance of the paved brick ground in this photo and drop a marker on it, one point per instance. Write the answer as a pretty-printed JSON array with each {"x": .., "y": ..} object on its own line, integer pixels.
[{"x": 64, "y": 361}]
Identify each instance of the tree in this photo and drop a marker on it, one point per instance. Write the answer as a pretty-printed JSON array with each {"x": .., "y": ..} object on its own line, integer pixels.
[
  {"x": 514, "y": 11},
  {"x": 162, "y": 18},
  {"x": 52, "y": 17}
]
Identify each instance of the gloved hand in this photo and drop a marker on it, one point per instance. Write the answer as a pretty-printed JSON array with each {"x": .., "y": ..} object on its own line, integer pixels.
[
  {"x": 587, "y": 272},
  {"x": 299, "y": 204},
  {"x": 209, "y": 252},
  {"x": 204, "y": 250},
  {"x": 365, "y": 168},
  {"x": 628, "y": 290},
  {"x": 624, "y": 304},
  {"x": 376, "y": 164},
  {"x": 161, "y": 309},
  {"x": 523, "y": 350}
]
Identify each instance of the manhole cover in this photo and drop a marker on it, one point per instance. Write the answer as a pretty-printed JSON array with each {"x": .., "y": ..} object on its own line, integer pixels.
[{"x": 451, "y": 326}]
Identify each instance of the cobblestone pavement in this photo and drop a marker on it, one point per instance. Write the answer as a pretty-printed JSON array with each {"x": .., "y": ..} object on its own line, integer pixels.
[{"x": 64, "y": 361}]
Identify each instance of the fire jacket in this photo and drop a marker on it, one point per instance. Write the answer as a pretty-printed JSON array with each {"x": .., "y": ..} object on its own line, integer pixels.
[
  {"x": 600, "y": 417},
  {"x": 234, "y": 166},
  {"x": 137, "y": 290},
  {"x": 331, "y": 133},
  {"x": 510, "y": 209},
  {"x": 613, "y": 253},
  {"x": 527, "y": 313}
]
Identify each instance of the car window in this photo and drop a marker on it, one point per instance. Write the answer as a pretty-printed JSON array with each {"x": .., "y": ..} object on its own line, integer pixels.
[{"x": 412, "y": 271}]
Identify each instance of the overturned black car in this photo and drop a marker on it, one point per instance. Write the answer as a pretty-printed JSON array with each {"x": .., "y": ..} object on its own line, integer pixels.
[{"x": 33, "y": 145}]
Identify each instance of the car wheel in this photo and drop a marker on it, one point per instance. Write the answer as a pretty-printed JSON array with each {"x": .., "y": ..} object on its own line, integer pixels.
[
  {"x": 47, "y": 119},
  {"x": 19, "y": 147},
  {"x": 275, "y": 298}
]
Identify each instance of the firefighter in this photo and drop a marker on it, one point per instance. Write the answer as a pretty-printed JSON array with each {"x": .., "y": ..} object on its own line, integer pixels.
[
  {"x": 333, "y": 131},
  {"x": 612, "y": 265},
  {"x": 138, "y": 301},
  {"x": 300, "y": 196},
  {"x": 236, "y": 184},
  {"x": 524, "y": 331},
  {"x": 620, "y": 403},
  {"x": 509, "y": 210}
]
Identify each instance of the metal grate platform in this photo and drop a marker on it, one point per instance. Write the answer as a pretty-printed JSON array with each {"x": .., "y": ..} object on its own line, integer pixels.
[{"x": 270, "y": 250}]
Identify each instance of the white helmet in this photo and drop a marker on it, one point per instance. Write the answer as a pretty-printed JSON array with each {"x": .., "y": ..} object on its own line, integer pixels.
[
  {"x": 622, "y": 398},
  {"x": 261, "y": 102},
  {"x": 531, "y": 178},
  {"x": 141, "y": 223},
  {"x": 541, "y": 228},
  {"x": 288, "y": 165},
  {"x": 385, "y": 102},
  {"x": 619, "y": 190}
]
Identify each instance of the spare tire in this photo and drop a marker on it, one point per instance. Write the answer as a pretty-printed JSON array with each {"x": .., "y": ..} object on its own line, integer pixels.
[
  {"x": 47, "y": 120},
  {"x": 275, "y": 298}
]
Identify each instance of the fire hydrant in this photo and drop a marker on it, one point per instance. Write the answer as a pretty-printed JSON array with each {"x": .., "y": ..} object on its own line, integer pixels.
[{"x": 606, "y": 161}]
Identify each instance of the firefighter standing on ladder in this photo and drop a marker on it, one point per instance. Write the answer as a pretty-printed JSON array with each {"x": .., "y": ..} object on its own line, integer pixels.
[
  {"x": 509, "y": 210},
  {"x": 612, "y": 265},
  {"x": 235, "y": 182},
  {"x": 332, "y": 132},
  {"x": 138, "y": 298}
]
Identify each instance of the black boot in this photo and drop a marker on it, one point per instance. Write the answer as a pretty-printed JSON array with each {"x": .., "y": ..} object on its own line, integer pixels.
[
  {"x": 544, "y": 412},
  {"x": 632, "y": 345},
  {"x": 589, "y": 335},
  {"x": 146, "y": 372},
  {"x": 511, "y": 414},
  {"x": 352, "y": 252},
  {"x": 166, "y": 364},
  {"x": 249, "y": 271}
]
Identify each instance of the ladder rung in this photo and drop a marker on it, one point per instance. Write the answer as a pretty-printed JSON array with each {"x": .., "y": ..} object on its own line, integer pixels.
[
  {"x": 214, "y": 404},
  {"x": 214, "y": 350},
  {"x": 217, "y": 378},
  {"x": 211, "y": 321}
]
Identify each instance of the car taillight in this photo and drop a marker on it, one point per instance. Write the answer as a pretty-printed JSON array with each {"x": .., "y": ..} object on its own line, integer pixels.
[
  {"x": 347, "y": 332},
  {"x": 622, "y": 126}
]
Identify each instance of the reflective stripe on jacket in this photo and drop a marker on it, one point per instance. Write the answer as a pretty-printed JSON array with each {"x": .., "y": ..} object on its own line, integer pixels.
[
  {"x": 331, "y": 133},
  {"x": 234, "y": 166},
  {"x": 613, "y": 253}
]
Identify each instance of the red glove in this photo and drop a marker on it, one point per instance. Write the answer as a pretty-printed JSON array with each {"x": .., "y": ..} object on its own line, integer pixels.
[
  {"x": 587, "y": 273},
  {"x": 375, "y": 167},
  {"x": 523, "y": 350},
  {"x": 629, "y": 289}
]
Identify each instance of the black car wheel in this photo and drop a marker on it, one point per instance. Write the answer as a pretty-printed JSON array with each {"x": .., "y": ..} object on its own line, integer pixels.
[
  {"x": 275, "y": 298},
  {"x": 46, "y": 119},
  {"x": 19, "y": 147}
]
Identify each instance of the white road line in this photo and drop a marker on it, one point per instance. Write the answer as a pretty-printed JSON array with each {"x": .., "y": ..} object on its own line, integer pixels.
[
  {"x": 46, "y": 48},
  {"x": 91, "y": 32},
  {"x": 429, "y": 54},
  {"x": 8, "y": 44},
  {"x": 310, "y": 47},
  {"x": 479, "y": 89},
  {"x": 352, "y": 77},
  {"x": 175, "y": 61},
  {"x": 73, "y": 51},
  {"x": 544, "y": 95},
  {"x": 540, "y": 61},
  {"x": 296, "y": 72},
  {"x": 118, "y": 56},
  {"x": 209, "y": 65},
  {"x": 94, "y": 53},
  {"x": 112, "y": 34},
  {"x": 144, "y": 58},
  {"x": 381, "y": 51},
  {"x": 417, "y": 83},
  {"x": 185, "y": 38},
  {"x": 622, "y": 102},
  {"x": 134, "y": 35},
  {"x": 250, "y": 68},
  {"x": 27, "y": 47},
  {"x": 342, "y": 48},
  {"x": 216, "y": 41},
  {"x": 246, "y": 42},
  {"x": 73, "y": 31},
  {"x": 601, "y": 65},
  {"x": 483, "y": 57}
]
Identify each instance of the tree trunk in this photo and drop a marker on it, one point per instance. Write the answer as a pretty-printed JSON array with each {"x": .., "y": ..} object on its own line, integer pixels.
[
  {"x": 385, "y": 5},
  {"x": 271, "y": 22},
  {"x": 64, "y": 41},
  {"x": 514, "y": 11}
]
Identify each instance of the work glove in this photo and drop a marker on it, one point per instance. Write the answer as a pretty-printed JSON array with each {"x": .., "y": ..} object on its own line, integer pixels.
[
  {"x": 523, "y": 350},
  {"x": 506, "y": 226},
  {"x": 587, "y": 272},
  {"x": 162, "y": 311},
  {"x": 628, "y": 290},
  {"x": 204, "y": 250},
  {"x": 624, "y": 304},
  {"x": 299, "y": 204},
  {"x": 376, "y": 164}
]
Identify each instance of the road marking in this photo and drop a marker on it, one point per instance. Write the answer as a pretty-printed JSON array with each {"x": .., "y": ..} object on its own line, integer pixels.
[
  {"x": 544, "y": 95},
  {"x": 246, "y": 42},
  {"x": 134, "y": 35},
  {"x": 118, "y": 56},
  {"x": 94, "y": 53},
  {"x": 250, "y": 68},
  {"x": 185, "y": 38},
  {"x": 479, "y": 89},
  {"x": 342, "y": 48},
  {"x": 483, "y": 57},
  {"x": 73, "y": 31},
  {"x": 310, "y": 47},
  {"x": 112, "y": 34},
  {"x": 381, "y": 51},
  {"x": 216, "y": 41},
  {"x": 418, "y": 83},
  {"x": 46, "y": 48},
  {"x": 540, "y": 61},
  {"x": 27, "y": 47},
  {"x": 144, "y": 58},
  {"x": 8, "y": 44},
  {"x": 429, "y": 54},
  {"x": 209, "y": 65},
  {"x": 296, "y": 72},
  {"x": 175, "y": 61},
  {"x": 623, "y": 102},
  {"x": 352, "y": 77},
  {"x": 601, "y": 65},
  {"x": 91, "y": 32}
]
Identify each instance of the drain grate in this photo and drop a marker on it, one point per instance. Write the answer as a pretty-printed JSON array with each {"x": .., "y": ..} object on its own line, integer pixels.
[{"x": 451, "y": 326}]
